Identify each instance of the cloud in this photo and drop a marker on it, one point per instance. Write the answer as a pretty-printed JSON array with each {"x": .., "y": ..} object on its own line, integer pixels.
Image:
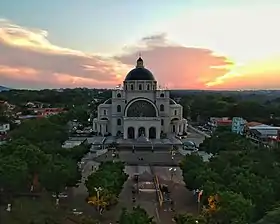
[
  {"x": 260, "y": 74},
  {"x": 28, "y": 57},
  {"x": 178, "y": 66},
  {"x": 29, "y": 60}
]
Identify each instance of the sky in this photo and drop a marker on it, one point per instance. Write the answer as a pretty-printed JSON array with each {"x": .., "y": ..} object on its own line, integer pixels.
[{"x": 186, "y": 44}]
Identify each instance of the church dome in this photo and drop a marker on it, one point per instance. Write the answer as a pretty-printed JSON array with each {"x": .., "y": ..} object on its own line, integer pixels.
[{"x": 140, "y": 73}]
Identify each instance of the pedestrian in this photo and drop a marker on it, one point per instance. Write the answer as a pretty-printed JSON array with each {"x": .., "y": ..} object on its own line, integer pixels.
[{"x": 92, "y": 167}]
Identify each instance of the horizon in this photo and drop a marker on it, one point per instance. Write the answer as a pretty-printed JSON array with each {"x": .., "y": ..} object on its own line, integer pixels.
[
  {"x": 187, "y": 45},
  {"x": 100, "y": 88}
]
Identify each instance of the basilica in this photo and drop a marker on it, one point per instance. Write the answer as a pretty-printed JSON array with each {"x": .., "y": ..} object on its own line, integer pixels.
[{"x": 140, "y": 108}]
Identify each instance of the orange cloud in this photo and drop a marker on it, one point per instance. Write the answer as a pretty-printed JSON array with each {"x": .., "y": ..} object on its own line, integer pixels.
[
  {"x": 24, "y": 50},
  {"x": 178, "y": 66},
  {"x": 256, "y": 75}
]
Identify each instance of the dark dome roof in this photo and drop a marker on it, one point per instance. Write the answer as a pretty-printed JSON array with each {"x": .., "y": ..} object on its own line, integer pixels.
[{"x": 140, "y": 74}]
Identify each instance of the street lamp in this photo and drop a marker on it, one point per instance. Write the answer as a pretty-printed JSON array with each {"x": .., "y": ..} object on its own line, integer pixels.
[
  {"x": 172, "y": 171},
  {"x": 98, "y": 189}
]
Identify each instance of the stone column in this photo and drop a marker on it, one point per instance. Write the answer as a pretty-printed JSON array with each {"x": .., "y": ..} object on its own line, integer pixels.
[
  {"x": 177, "y": 128},
  {"x": 125, "y": 132},
  {"x": 136, "y": 132},
  {"x": 158, "y": 132},
  {"x": 103, "y": 129}
]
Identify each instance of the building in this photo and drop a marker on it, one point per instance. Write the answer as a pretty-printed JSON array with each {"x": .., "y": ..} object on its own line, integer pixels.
[
  {"x": 220, "y": 121},
  {"x": 140, "y": 108},
  {"x": 238, "y": 124},
  {"x": 46, "y": 111},
  {"x": 262, "y": 133},
  {"x": 73, "y": 142}
]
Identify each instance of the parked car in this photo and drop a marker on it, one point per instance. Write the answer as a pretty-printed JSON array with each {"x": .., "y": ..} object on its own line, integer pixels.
[{"x": 190, "y": 145}]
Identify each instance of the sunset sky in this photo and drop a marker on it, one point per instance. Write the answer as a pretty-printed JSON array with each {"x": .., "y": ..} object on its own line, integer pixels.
[{"x": 187, "y": 44}]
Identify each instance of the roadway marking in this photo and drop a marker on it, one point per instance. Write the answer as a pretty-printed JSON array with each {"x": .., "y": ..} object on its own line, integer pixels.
[{"x": 157, "y": 213}]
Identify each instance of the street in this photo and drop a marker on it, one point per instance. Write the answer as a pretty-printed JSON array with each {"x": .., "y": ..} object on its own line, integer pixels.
[{"x": 194, "y": 137}]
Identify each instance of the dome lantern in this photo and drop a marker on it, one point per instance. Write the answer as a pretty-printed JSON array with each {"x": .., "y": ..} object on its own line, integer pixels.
[
  {"x": 140, "y": 72},
  {"x": 140, "y": 63}
]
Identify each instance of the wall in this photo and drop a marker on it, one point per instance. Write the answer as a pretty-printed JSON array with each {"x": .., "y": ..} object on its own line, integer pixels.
[{"x": 142, "y": 122}]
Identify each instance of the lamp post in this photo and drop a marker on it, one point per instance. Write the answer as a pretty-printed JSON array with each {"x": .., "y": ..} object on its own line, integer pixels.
[
  {"x": 98, "y": 189},
  {"x": 172, "y": 172}
]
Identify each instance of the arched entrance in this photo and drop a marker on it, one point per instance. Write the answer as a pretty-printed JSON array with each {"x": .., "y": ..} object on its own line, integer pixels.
[
  {"x": 131, "y": 133},
  {"x": 152, "y": 132},
  {"x": 173, "y": 128},
  {"x": 141, "y": 131},
  {"x": 119, "y": 133}
]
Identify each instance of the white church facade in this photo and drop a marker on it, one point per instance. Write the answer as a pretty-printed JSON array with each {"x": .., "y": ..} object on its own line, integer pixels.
[{"x": 140, "y": 109}]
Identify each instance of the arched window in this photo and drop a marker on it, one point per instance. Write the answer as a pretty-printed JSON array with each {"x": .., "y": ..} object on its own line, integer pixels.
[
  {"x": 104, "y": 112},
  {"x": 119, "y": 122},
  {"x": 141, "y": 108},
  {"x": 161, "y": 95},
  {"x": 162, "y": 122},
  {"x": 161, "y": 107},
  {"x": 140, "y": 86},
  {"x": 119, "y": 108},
  {"x": 119, "y": 95},
  {"x": 148, "y": 87},
  {"x": 175, "y": 112},
  {"x": 131, "y": 87},
  {"x": 106, "y": 128}
]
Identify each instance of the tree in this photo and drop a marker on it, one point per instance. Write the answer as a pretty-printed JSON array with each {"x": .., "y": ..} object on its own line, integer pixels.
[
  {"x": 191, "y": 166},
  {"x": 272, "y": 217},
  {"x": 34, "y": 157},
  {"x": 109, "y": 178},
  {"x": 13, "y": 176},
  {"x": 189, "y": 219},
  {"x": 38, "y": 131},
  {"x": 229, "y": 207},
  {"x": 76, "y": 153},
  {"x": 237, "y": 167},
  {"x": 136, "y": 216},
  {"x": 59, "y": 173}
]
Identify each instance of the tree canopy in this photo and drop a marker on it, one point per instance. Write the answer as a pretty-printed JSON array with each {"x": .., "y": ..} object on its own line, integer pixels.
[
  {"x": 242, "y": 179},
  {"x": 136, "y": 216},
  {"x": 35, "y": 158},
  {"x": 109, "y": 178}
]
